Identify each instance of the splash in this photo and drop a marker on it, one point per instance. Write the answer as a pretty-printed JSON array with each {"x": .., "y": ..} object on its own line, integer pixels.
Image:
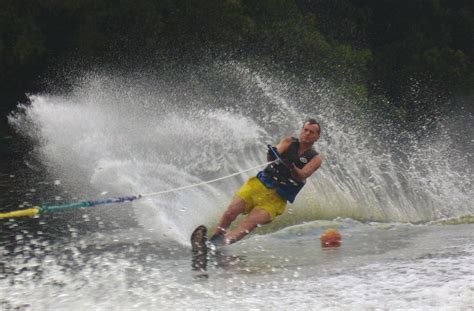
[{"x": 153, "y": 132}]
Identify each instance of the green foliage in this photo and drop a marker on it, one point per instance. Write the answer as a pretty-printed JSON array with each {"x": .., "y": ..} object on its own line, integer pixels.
[
  {"x": 370, "y": 49},
  {"x": 356, "y": 92},
  {"x": 22, "y": 39}
]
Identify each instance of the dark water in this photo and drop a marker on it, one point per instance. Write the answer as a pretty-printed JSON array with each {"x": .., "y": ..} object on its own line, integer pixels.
[{"x": 24, "y": 183}]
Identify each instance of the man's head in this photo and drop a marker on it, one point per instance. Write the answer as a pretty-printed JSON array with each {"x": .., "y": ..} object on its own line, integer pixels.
[{"x": 310, "y": 131}]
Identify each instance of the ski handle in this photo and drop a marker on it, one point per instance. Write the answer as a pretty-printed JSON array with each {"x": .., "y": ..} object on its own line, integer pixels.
[{"x": 277, "y": 155}]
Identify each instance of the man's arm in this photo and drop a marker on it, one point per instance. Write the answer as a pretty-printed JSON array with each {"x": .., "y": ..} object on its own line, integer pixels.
[
  {"x": 280, "y": 148},
  {"x": 307, "y": 170},
  {"x": 284, "y": 144}
]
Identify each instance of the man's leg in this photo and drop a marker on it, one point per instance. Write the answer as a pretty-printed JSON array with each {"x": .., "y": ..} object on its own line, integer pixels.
[
  {"x": 235, "y": 208},
  {"x": 256, "y": 217}
]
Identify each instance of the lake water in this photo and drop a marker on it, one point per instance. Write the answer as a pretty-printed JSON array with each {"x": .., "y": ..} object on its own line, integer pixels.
[{"x": 405, "y": 213}]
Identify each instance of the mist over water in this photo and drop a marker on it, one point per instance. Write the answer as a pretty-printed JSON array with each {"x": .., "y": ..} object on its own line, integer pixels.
[{"x": 143, "y": 133}]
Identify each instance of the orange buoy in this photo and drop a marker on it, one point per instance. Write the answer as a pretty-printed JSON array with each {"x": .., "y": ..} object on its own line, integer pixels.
[{"x": 330, "y": 238}]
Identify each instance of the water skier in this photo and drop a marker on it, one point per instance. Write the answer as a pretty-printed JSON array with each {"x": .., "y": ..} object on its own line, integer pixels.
[{"x": 263, "y": 197}]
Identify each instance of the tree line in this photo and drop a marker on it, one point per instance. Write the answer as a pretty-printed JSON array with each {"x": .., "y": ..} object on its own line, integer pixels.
[{"x": 382, "y": 52}]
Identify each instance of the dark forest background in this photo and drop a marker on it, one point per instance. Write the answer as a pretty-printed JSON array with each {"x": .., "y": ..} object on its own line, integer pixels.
[{"x": 407, "y": 56}]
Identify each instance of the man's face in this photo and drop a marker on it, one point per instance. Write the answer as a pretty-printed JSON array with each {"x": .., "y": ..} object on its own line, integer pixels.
[{"x": 309, "y": 133}]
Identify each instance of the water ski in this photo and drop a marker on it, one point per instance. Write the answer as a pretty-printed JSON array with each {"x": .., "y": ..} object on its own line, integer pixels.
[{"x": 199, "y": 249}]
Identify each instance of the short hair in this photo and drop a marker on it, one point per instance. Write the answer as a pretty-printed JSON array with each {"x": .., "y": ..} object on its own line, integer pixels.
[{"x": 313, "y": 121}]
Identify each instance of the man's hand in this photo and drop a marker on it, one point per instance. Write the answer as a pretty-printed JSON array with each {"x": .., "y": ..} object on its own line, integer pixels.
[{"x": 272, "y": 153}]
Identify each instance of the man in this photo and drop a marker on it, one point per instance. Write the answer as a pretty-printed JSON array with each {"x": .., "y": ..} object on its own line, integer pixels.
[{"x": 263, "y": 197}]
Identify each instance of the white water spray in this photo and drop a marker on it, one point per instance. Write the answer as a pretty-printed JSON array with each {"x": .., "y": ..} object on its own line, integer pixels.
[{"x": 128, "y": 136}]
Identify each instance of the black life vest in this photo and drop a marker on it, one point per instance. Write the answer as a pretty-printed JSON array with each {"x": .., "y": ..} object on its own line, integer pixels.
[{"x": 277, "y": 175}]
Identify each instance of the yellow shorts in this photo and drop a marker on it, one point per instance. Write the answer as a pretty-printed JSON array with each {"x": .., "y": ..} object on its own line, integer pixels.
[{"x": 255, "y": 194}]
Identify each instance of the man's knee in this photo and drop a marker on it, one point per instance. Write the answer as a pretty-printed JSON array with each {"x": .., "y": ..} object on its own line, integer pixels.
[
  {"x": 258, "y": 217},
  {"x": 261, "y": 216}
]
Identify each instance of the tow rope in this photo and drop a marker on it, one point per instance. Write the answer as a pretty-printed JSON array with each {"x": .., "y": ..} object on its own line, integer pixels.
[{"x": 45, "y": 208}]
